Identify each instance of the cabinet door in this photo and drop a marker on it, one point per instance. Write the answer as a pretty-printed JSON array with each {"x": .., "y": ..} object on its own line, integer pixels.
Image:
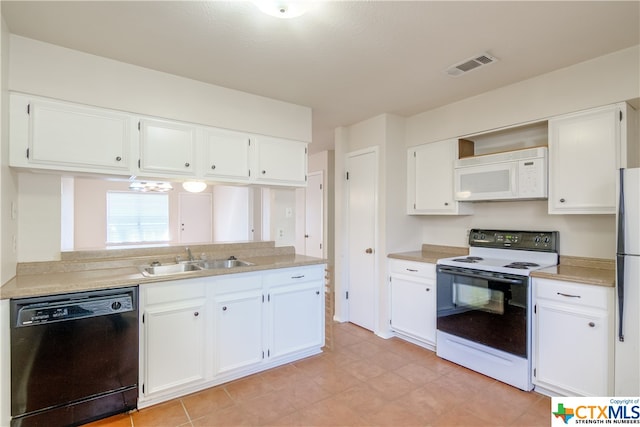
[
  {"x": 582, "y": 162},
  {"x": 430, "y": 182},
  {"x": 226, "y": 154},
  {"x": 79, "y": 138},
  {"x": 174, "y": 345},
  {"x": 167, "y": 148},
  {"x": 280, "y": 161},
  {"x": 296, "y": 318},
  {"x": 413, "y": 308},
  {"x": 572, "y": 350},
  {"x": 238, "y": 331}
]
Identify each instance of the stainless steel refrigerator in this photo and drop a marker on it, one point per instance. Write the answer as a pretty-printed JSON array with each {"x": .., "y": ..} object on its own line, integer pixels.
[{"x": 627, "y": 348}]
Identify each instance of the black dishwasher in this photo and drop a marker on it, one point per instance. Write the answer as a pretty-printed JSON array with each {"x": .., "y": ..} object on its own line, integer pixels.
[{"x": 74, "y": 357}]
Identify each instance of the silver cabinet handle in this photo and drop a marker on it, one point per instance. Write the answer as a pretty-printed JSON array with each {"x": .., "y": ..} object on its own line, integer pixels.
[
  {"x": 412, "y": 270},
  {"x": 224, "y": 308},
  {"x": 187, "y": 165},
  {"x": 592, "y": 325},
  {"x": 562, "y": 200},
  {"x": 297, "y": 277},
  {"x": 118, "y": 158},
  {"x": 213, "y": 166},
  {"x": 428, "y": 289},
  {"x": 196, "y": 314},
  {"x": 569, "y": 295}
]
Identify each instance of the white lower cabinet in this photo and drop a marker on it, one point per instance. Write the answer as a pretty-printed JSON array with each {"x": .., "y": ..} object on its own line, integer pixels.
[
  {"x": 201, "y": 332},
  {"x": 573, "y": 347},
  {"x": 413, "y": 301},
  {"x": 295, "y": 311},
  {"x": 173, "y": 336},
  {"x": 238, "y": 330}
]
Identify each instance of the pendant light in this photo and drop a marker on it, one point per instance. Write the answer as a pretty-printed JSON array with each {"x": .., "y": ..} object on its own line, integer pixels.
[{"x": 194, "y": 186}]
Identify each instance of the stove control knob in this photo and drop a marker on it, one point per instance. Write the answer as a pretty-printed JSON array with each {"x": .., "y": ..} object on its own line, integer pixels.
[
  {"x": 482, "y": 236},
  {"x": 537, "y": 239},
  {"x": 547, "y": 240}
]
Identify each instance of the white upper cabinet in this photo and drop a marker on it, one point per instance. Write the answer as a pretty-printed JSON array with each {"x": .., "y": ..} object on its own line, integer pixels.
[
  {"x": 226, "y": 154},
  {"x": 430, "y": 180},
  {"x": 63, "y": 136},
  {"x": 167, "y": 148},
  {"x": 280, "y": 161},
  {"x": 58, "y": 135},
  {"x": 585, "y": 149}
]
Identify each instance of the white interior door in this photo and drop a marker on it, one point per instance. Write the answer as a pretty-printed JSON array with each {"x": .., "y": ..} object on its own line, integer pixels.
[
  {"x": 314, "y": 195},
  {"x": 361, "y": 208},
  {"x": 195, "y": 217}
]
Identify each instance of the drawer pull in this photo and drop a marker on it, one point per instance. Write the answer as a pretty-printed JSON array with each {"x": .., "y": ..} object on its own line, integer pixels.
[
  {"x": 196, "y": 314},
  {"x": 569, "y": 295},
  {"x": 412, "y": 270},
  {"x": 428, "y": 289},
  {"x": 592, "y": 325},
  {"x": 297, "y": 277}
]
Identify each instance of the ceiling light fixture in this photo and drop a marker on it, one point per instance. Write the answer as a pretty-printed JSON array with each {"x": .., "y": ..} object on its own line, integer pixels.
[
  {"x": 283, "y": 9},
  {"x": 150, "y": 187},
  {"x": 194, "y": 186}
]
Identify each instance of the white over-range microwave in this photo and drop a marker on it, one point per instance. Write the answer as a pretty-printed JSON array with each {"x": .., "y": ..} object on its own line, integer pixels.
[{"x": 518, "y": 174}]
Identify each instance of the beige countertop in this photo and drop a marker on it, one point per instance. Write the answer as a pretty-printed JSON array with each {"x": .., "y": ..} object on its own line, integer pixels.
[
  {"x": 79, "y": 273},
  {"x": 431, "y": 253},
  {"x": 589, "y": 271}
]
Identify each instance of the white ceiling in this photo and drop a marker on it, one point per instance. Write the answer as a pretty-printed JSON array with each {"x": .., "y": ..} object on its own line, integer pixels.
[{"x": 348, "y": 60}]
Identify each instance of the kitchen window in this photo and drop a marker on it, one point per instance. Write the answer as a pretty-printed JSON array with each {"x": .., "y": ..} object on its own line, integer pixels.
[{"x": 135, "y": 218}]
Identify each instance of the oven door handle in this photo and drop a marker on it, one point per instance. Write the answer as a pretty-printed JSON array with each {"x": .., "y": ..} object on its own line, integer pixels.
[{"x": 491, "y": 276}]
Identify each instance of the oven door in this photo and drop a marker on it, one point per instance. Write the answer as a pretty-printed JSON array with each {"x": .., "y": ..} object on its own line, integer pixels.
[{"x": 484, "y": 307}]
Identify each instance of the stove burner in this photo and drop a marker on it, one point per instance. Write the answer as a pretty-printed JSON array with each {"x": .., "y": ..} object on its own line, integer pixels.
[
  {"x": 522, "y": 265},
  {"x": 469, "y": 259}
]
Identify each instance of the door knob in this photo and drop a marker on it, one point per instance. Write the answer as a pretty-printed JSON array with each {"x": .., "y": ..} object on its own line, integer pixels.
[{"x": 369, "y": 250}]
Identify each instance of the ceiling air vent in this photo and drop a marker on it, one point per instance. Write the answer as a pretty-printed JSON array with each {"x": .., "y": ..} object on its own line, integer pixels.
[{"x": 470, "y": 64}]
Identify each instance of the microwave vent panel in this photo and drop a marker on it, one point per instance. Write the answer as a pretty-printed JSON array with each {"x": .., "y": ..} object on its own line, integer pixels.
[{"x": 470, "y": 64}]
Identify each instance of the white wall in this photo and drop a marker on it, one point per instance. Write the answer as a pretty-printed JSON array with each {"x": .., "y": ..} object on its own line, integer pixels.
[
  {"x": 601, "y": 81},
  {"x": 604, "y": 80},
  {"x": 8, "y": 179},
  {"x": 231, "y": 207},
  {"x": 39, "y": 217},
  {"x": 48, "y": 70},
  {"x": 8, "y": 229}
]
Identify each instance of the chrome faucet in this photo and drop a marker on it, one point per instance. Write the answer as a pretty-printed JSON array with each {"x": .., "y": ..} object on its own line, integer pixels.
[{"x": 190, "y": 255}]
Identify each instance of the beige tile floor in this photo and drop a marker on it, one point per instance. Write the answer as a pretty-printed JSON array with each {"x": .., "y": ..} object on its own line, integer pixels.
[{"x": 364, "y": 381}]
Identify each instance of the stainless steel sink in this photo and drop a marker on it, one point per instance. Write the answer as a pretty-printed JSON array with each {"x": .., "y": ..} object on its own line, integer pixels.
[
  {"x": 164, "y": 269},
  {"x": 157, "y": 269},
  {"x": 224, "y": 263}
]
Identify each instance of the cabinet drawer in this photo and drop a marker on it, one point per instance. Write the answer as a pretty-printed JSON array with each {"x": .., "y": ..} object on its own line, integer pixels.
[
  {"x": 294, "y": 275},
  {"x": 233, "y": 283},
  {"x": 574, "y": 293},
  {"x": 412, "y": 268},
  {"x": 178, "y": 290}
]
